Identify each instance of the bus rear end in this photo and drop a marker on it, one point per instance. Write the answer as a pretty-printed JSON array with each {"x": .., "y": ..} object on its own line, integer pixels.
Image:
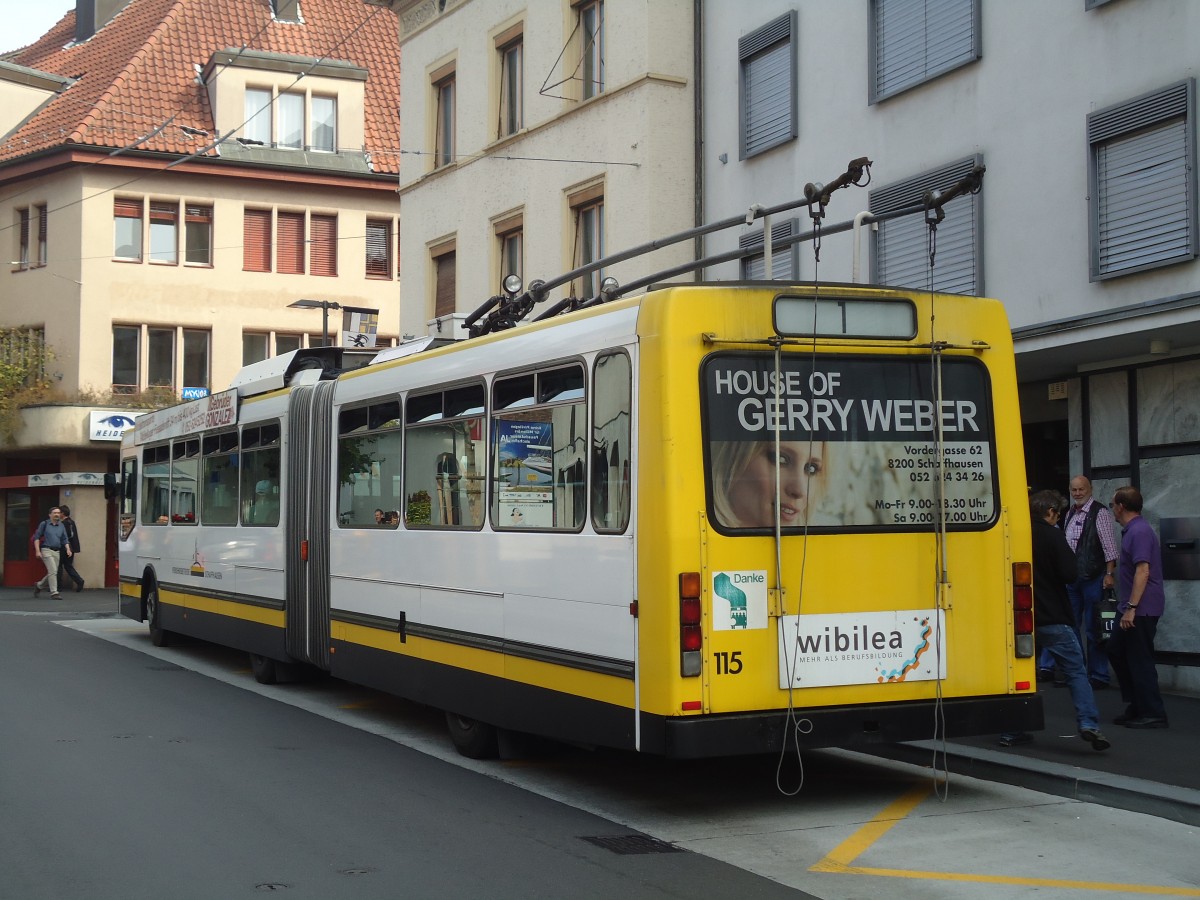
[{"x": 834, "y": 533}]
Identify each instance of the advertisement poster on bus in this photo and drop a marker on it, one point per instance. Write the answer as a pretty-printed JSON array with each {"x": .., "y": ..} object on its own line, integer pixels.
[
  {"x": 525, "y": 472},
  {"x": 862, "y": 648},
  {"x": 855, "y": 439}
]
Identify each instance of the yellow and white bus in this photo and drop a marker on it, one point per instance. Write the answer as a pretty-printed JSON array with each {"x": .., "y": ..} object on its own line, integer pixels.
[{"x": 710, "y": 519}]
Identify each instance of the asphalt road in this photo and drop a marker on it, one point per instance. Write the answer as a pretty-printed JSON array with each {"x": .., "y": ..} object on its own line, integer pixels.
[
  {"x": 126, "y": 776},
  {"x": 169, "y": 772}
]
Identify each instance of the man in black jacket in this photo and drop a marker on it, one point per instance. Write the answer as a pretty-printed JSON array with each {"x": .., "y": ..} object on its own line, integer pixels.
[
  {"x": 1054, "y": 621},
  {"x": 67, "y": 561}
]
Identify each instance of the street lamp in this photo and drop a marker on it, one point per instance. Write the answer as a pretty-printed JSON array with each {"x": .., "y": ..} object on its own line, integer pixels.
[{"x": 325, "y": 306}]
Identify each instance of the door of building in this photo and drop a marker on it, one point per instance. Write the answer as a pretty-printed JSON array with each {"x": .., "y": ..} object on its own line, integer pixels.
[{"x": 23, "y": 510}]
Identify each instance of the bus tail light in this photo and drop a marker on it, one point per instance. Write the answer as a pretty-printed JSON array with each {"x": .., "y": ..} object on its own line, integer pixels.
[
  {"x": 691, "y": 638},
  {"x": 1023, "y": 609}
]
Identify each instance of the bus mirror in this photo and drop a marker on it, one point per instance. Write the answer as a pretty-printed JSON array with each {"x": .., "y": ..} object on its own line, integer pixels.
[{"x": 112, "y": 485}]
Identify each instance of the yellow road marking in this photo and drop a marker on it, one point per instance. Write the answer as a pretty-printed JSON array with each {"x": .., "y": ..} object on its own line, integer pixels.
[{"x": 840, "y": 858}]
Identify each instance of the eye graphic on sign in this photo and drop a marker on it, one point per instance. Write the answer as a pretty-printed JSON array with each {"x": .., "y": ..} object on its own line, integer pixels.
[{"x": 117, "y": 421}]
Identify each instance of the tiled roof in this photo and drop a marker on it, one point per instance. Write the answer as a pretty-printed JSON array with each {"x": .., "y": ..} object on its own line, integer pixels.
[{"x": 140, "y": 70}]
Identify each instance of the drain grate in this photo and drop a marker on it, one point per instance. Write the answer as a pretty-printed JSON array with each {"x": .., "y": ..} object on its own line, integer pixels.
[{"x": 626, "y": 844}]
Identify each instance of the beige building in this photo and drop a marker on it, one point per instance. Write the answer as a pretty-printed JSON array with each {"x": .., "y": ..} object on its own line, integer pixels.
[
  {"x": 537, "y": 137},
  {"x": 173, "y": 175}
]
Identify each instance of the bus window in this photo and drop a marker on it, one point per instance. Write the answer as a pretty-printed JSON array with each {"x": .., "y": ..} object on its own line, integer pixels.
[
  {"x": 368, "y": 466},
  {"x": 444, "y": 459},
  {"x": 857, "y": 446},
  {"x": 219, "y": 496},
  {"x": 260, "y": 475},
  {"x": 611, "y": 435},
  {"x": 156, "y": 481},
  {"x": 129, "y": 476},
  {"x": 539, "y": 461},
  {"x": 185, "y": 471}
]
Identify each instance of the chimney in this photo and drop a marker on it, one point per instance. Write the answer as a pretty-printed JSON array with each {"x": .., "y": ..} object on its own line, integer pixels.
[
  {"x": 92, "y": 15},
  {"x": 286, "y": 10}
]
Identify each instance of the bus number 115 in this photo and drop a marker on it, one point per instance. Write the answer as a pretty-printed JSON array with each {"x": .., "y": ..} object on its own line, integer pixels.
[{"x": 728, "y": 663}]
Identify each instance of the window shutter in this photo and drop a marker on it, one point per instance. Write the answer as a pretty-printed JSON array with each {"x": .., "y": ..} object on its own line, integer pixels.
[
  {"x": 1143, "y": 171},
  {"x": 443, "y": 303},
  {"x": 916, "y": 40},
  {"x": 783, "y": 259},
  {"x": 324, "y": 245},
  {"x": 289, "y": 258},
  {"x": 902, "y": 245},
  {"x": 767, "y": 90},
  {"x": 256, "y": 240},
  {"x": 24, "y": 260},
  {"x": 379, "y": 242},
  {"x": 127, "y": 209}
]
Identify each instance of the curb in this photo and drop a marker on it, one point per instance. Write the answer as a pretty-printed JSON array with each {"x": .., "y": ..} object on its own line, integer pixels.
[{"x": 1179, "y": 804}]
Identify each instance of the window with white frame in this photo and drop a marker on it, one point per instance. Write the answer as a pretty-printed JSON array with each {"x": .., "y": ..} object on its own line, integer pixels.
[
  {"x": 198, "y": 246},
  {"x": 509, "y": 49},
  {"x": 164, "y": 232},
  {"x": 767, "y": 86},
  {"x": 785, "y": 261},
  {"x": 257, "y": 346},
  {"x": 901, "y": 245},
  {"x": 443, "y": 82},
  {"x": 590, "y": 30},
  {"x": 379, "y": 248},
  {"x": 914, "y": 41},
  {"x": 159, "y": 365},
  {"x": 257, "y": 116},
  {"x": 324, "y": 124},
  {"x": 291, "y": 121},
  {"x": 587, "y": 208},
  {"x": 29, "y": 219},
  {"x": 1142, "y": 182},
  {"x": 127, "y": 229}
]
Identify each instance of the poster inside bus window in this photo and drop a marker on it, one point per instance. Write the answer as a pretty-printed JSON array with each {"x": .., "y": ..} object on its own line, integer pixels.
[
  {"x": 525, "y": 474},
  {"x": 857, "y": 442}
]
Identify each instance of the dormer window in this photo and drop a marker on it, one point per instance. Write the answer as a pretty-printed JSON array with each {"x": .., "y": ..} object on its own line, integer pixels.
[
  {"x": 272, "y": 104},
  {"x": 300, "y": 122}
]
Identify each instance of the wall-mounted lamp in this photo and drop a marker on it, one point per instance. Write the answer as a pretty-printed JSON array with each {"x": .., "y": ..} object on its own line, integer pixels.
[{"x": 1160, "y": 348}]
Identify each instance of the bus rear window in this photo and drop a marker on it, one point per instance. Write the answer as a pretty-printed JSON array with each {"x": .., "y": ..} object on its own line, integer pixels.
[{"x": 857, "y": 444}]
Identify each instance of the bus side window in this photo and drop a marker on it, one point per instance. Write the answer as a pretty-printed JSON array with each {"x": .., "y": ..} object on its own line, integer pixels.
[{"x": 611, "y": 436}]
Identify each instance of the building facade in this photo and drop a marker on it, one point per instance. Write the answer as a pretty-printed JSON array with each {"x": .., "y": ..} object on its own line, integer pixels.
[
  {"x": 174, "y": 175},
  {"x": 538, "y": 137},
  {"x": 1084, "y": 115}
]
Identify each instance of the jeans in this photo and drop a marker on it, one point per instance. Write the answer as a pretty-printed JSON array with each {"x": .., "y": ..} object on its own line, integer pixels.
[
  {"x": 1131, "y": 652},
  {"x": 1062, "y": 643},
  {"x": 1085, "y": 597},
  {"x": 1085, "y": 600}
]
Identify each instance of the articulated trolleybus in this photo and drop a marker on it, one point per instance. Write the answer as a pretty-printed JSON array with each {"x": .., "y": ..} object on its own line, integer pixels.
[{"x": 711, "y": 519}]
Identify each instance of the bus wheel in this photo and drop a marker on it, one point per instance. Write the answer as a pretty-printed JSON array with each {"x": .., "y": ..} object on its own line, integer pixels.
[
  {"x": 265, "y": 670},
  {"x": 159, "y": 636},
  {"x": 472, "y": 738}
]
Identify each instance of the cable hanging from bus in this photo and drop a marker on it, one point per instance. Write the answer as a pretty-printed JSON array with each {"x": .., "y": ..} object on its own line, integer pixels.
[{"x": 704, "y": 519}]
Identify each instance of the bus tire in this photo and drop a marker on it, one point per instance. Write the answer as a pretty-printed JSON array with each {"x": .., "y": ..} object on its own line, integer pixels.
[
  {"x": 159, "y": 636},
  {"x": 264, "y": 668},
  {"x": 472, "y": 738}
]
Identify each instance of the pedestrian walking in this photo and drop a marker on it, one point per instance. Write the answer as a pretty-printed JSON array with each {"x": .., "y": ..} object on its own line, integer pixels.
[
  {"x": 71, "y": 550},
  {"x": 1054, "y": 621},
  {"x": 48, "y": 543},
  {"x": 1142, "y": 603}
]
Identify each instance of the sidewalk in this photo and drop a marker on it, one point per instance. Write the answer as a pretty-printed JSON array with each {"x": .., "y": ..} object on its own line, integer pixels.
[{"x": 1153, "y": 772}]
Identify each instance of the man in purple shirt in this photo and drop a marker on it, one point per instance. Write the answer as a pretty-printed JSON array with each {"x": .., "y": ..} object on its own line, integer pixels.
[{"x": 1131, "y": 647}]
